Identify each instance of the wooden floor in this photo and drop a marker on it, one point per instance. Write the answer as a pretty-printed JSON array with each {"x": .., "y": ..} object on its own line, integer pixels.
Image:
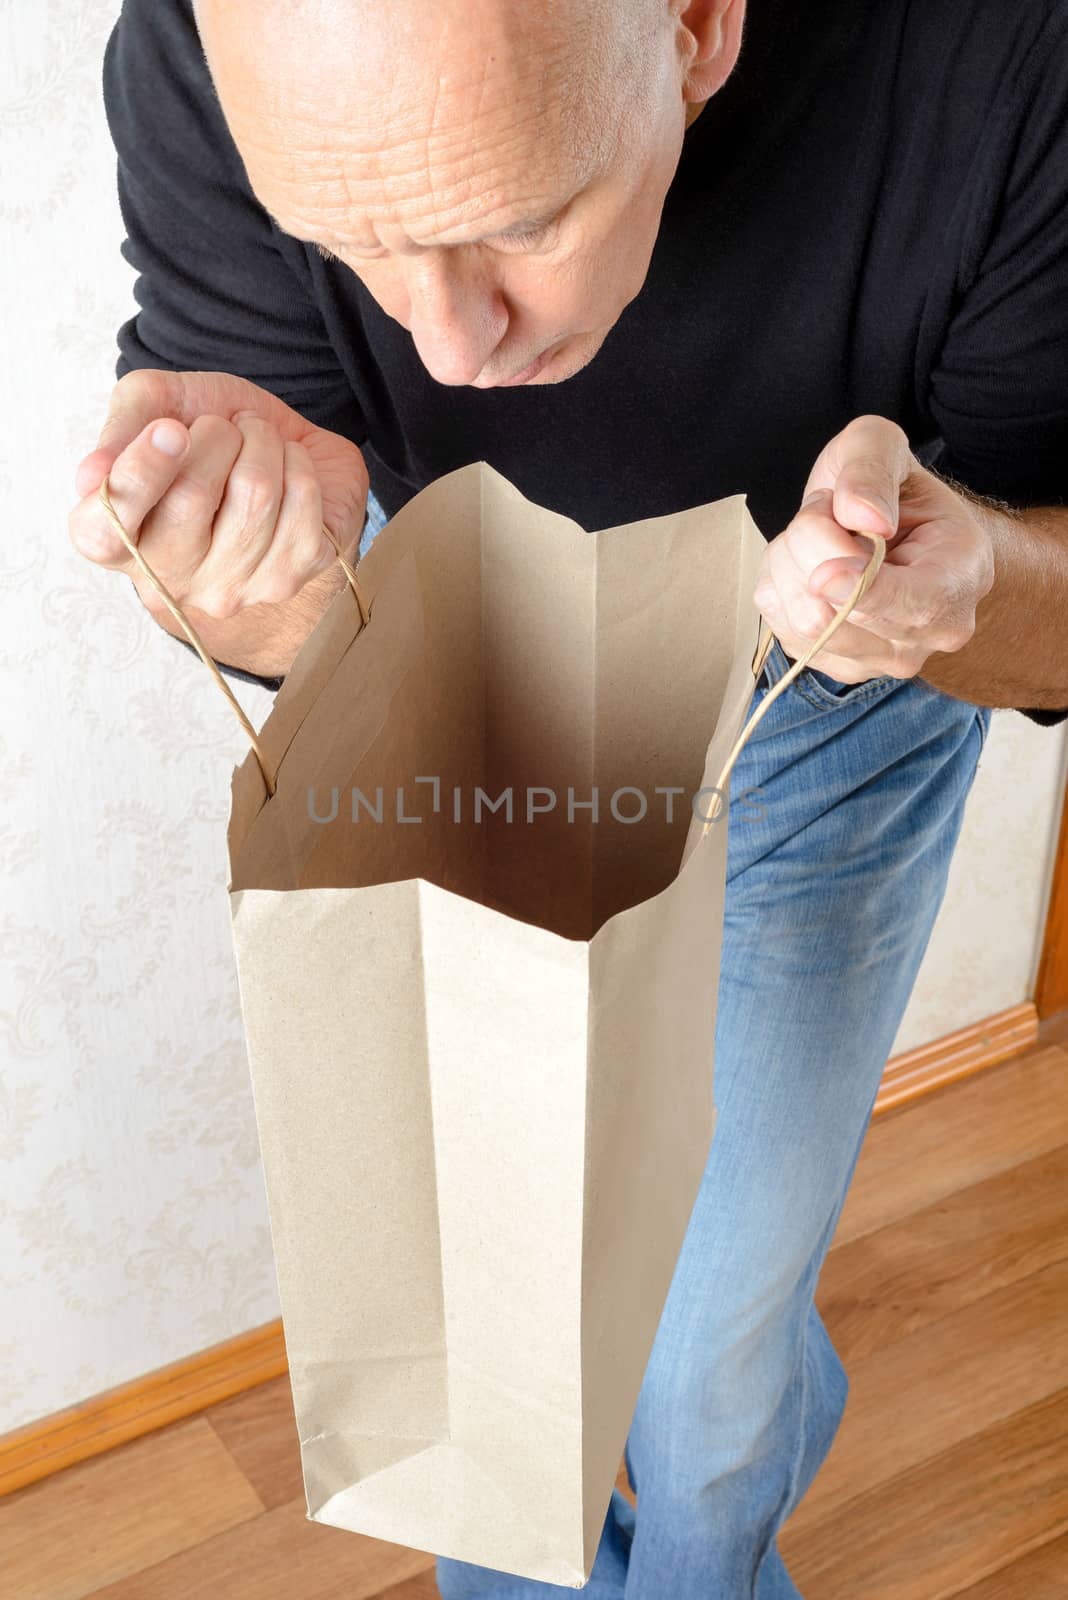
[{"x": 946, "y": 1293}]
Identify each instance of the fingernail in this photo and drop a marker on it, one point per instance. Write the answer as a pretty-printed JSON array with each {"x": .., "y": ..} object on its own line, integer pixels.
[
  {"x": 876, "y": 504},
  {"x": 170, "y": 438}
]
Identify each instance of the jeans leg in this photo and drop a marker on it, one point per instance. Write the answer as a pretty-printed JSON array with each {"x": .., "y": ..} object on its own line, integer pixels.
[
  {"x": 374, "y": 522},
  {"x": 836, "y": 870},
  {"x": 845, "y": 808}
]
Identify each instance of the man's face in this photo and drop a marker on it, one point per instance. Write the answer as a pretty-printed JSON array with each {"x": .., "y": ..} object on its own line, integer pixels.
[{"x": 495, "y": 182}]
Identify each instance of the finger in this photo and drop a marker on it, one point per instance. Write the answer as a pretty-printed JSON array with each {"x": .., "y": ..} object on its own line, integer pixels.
[
  {"x": 812, "y": 540},
  {"x": 176, "y": 535},
  {"x": 142, "y": 473},
  {"x": 300, "y": 549},
  {"x": 824, "y": 566},
  {"x": 783, "y": 591},
  {"x": 870, "y": 499},
  {"x": 798, "y": 620},
  {"x": 245, "y": 522},
  {"x": 147, "y": 393},
  {"x": 136, "y": 400},
  {"x": 815, "y": 535},
  {"x": 873, "y": 460}
]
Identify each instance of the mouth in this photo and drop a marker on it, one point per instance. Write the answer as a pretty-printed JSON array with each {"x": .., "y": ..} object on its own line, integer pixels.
[{"x": 527, "y": 373}]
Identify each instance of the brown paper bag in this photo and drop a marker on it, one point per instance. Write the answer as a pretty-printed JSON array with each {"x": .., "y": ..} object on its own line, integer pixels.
[{"x": 480, "y": 1043}]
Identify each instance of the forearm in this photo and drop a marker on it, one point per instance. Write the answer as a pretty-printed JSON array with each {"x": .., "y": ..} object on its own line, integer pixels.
[
  {"x": 264, "y": 639},
  {"x": 1018, "y": 655}
]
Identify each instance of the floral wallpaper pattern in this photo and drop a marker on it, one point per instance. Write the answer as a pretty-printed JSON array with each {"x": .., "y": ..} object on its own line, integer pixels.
[{"x": 133, "y": 1229}]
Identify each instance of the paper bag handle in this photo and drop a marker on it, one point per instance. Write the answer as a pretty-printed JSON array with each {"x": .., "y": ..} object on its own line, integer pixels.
[
  {"x": 194, "y": 638},
  {"x": 861, "y": 587}
]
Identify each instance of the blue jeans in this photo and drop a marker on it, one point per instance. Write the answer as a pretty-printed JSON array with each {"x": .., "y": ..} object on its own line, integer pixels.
[{"x": 846, "y": 805}]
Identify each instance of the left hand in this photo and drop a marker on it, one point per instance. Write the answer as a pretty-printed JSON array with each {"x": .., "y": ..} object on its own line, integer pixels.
[{"x": 939, "y": 559}]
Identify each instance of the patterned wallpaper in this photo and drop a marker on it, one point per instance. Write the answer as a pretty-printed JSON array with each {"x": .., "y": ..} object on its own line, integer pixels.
[{"x": 133, "y": 1228}]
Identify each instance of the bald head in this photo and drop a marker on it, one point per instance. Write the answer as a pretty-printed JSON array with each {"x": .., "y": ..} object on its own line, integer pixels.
[{"x": 454, "y": 154}]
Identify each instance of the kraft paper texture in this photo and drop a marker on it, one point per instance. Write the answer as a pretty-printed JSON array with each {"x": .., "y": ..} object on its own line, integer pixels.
[{"x": 482, "y": 1052}]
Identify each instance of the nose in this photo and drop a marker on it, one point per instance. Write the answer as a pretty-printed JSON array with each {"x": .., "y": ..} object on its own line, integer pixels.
[{"x": 457, "y": 319}]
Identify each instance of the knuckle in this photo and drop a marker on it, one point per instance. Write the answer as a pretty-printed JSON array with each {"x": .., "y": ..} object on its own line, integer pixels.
[
  {"x": 925, "y": 613},
  {"x": 279, "y": 587},
  {"x": 189, "y": 500},
  {"x": 873, "y": 465},
  {"x": 152, "y": 602},
  {"x": 253, "y": 490},
  {"x": 306, "y": 500},
  {"x": 948, "y": 640},
  {"x": 810, "y": 622},
  {"x": 220, "y": 603},
  {"x": 87, "y": 537},
  {"x": 869, "y": 420}
]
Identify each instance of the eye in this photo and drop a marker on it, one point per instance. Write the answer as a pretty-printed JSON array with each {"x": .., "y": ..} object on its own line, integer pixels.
[
  {"x": 353, "y": 255},
  {"x": 533, "y": 237}
]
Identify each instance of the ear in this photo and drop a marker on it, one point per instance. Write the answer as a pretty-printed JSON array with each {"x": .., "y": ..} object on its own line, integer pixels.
[{"x": 710, "y": 37}]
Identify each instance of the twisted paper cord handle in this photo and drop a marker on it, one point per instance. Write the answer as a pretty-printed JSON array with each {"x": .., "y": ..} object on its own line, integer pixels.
[
  {"x": 194, "y": 638},
  {"x": 863, "y": 584}
]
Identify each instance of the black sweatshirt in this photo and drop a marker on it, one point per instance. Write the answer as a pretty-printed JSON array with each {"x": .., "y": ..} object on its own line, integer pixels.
[{"x": 870, "y": 216}]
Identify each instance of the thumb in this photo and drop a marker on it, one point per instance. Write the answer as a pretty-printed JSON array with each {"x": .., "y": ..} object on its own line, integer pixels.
[{"x": 137, "y": 399}]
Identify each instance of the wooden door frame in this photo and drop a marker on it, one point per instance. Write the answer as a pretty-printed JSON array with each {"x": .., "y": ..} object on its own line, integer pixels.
[{"x": 1051, "y": 985}]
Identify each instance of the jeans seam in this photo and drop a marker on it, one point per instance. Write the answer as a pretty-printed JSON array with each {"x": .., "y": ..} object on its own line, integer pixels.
[{"x": 858, "y": 692}]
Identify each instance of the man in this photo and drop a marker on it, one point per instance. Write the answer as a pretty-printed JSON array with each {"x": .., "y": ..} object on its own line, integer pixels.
[{"x": 639, "y": 254}]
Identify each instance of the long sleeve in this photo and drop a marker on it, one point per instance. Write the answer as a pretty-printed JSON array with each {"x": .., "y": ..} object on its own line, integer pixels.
[{"x": 219, "y": 287}]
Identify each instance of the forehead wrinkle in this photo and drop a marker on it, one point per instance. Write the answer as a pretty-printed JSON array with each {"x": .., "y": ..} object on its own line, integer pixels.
[
  {"x": 378, "y": 151},
  {"x": 438, "y": 183}
]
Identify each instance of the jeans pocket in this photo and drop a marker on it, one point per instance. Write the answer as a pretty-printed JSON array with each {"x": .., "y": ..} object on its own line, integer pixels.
[{"x": 819, "y": 688}]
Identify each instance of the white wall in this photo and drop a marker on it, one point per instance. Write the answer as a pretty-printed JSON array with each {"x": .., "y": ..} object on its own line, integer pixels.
[
  {"x": 132, "y": 1222},
  {"x": 985, "y": 947}
]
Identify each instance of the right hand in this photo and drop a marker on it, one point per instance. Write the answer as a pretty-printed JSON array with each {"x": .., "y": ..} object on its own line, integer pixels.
[{"x": 235, "y": 519}]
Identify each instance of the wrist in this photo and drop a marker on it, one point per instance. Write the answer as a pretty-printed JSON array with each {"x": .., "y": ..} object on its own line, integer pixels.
[{"x": 263, "y": 640}]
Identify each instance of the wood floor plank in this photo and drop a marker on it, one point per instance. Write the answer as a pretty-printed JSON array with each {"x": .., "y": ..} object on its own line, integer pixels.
[
  {"x": 965, "y": 1373},
  {"x": 946, "y": 1292},
  {"x": 961, "y": 1135},
  {"x": 896, "y": 1280},
  {"x": 260, "y": 1432},
  {"x": 1042, "y": 1575},
  {"x": 944, "y": 1525},
  {"x": 112, "y": 1516},
  {"x": 278, "y": 1557}
]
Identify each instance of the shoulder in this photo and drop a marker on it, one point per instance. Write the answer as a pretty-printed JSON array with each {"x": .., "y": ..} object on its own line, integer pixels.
[
  {"x": 159, "y": 97},
  {"x": 993, "y": 46}
]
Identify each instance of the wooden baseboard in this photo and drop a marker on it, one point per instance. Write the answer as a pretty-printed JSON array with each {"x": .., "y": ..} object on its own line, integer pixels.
[
  {"x": 957, "y": 1055},
  {"x": 189, "y": 1386},
  {"x": 147, "y": 1403}
]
